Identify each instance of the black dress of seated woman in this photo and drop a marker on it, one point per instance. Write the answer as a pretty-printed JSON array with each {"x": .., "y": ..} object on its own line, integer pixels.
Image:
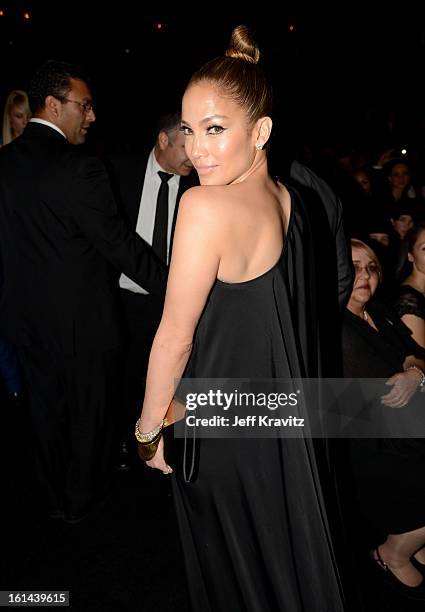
[{"x": 388, "y": 473}]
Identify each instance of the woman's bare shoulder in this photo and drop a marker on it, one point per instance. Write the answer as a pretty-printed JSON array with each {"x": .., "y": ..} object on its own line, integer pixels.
[
  {"x": 206, "y": 194},
  {"x": 202, "y": 218},
  {"x": 206, "y": 201}
]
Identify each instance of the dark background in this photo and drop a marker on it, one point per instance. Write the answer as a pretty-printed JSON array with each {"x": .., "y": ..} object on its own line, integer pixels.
[{"x": 336, "y": 73}]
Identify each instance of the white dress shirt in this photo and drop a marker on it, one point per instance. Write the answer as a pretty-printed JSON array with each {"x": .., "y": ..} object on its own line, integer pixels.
[{"x": 146, "y": 218}]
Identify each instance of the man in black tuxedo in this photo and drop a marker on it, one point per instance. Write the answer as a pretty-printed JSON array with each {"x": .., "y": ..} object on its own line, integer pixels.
[
  {"x": 139, "y": 180},
  {"x": 59, "y": 234}
]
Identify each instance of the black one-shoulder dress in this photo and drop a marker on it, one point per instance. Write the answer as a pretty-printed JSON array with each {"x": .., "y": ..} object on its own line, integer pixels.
[{"x": 252, "y": 520}]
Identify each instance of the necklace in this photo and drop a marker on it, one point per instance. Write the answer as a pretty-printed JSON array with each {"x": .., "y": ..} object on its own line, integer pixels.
[{"x": 365, "y": 315}]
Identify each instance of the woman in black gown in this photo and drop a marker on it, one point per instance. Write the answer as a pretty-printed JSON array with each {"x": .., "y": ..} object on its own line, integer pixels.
[
  {"x": 410, "y": 301},
  {"x": 389, "y": 473},
  {"x": 241, "y": 303}
]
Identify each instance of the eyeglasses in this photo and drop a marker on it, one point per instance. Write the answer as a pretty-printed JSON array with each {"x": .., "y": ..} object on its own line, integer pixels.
[
  {"x": 87, "y": 107},
  {"x": 371, "y": 268}
]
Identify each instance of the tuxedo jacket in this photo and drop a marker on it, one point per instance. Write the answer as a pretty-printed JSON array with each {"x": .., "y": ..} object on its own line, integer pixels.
[
  {"x": 60, "y": 233},
  {"x": 127, "y": 172}
]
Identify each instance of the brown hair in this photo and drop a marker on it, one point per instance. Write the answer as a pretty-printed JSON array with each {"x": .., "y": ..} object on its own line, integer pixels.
[
  {"x": 405, "y": 267},
  {"x": 359, "y": 244},
  {"x": 239, "y": 75}
]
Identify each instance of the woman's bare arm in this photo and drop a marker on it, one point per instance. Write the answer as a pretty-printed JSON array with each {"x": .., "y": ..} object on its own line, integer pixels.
[
  {"x": 417, "y": 327},
  {"x": 193, "y": 271}
]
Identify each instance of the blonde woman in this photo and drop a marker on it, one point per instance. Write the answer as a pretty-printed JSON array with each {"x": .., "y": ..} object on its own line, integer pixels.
[
  {"x": 16, "y": 115},
  {"x": 251, "y": 511}
]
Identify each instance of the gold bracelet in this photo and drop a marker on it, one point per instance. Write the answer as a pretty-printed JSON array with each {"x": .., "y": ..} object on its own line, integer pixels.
[{"x": 146, "y": 438}]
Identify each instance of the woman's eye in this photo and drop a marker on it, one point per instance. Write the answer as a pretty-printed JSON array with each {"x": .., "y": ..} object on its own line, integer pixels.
[
  {"x": 186, "y": 130},
  {"x": 215, "y": 129}
]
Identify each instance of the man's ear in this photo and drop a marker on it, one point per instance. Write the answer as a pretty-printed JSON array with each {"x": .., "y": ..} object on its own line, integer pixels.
[
  {"x": 262, "y": 130},
  {"x": 53, "y": 106},
  {"x": 163, "y": 140}
]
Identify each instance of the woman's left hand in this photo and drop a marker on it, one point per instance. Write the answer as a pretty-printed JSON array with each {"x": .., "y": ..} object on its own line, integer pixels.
[
  {"x": 158, "y": 461},
  {"x": 404, "y": 386}
]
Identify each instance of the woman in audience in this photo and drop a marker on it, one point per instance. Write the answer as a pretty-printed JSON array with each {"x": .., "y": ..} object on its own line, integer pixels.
[
  {"x": 388, "y": 472},
  {"x": 410, "y": 300},
  {"x": 400, "y": 180},
  {"x": 363, "y": 180}
]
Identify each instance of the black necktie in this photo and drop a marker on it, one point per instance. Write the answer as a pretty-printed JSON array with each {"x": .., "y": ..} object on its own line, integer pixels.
[{"x": 160, "y": 230}]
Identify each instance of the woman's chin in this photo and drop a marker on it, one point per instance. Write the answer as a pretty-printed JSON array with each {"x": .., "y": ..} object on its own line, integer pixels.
[{"x": 363, "y": 295}]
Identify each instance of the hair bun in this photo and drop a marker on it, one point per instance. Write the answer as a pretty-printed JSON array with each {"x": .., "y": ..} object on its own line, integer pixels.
[{"x": 242, "y": 46}]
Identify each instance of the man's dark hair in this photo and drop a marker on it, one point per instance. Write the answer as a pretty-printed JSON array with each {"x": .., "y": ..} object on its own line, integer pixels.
[
  {"x": 169, "y": 123},
  {"x": 52, "y": 79}
]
